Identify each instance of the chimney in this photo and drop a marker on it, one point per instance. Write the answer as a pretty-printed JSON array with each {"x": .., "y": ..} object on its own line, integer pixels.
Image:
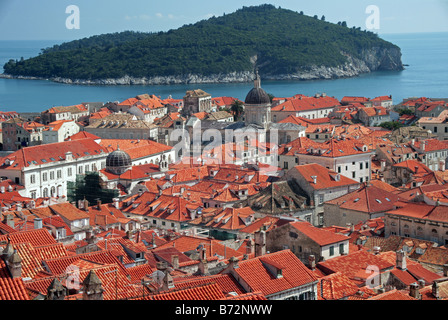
[
  {"x": 14, "y": 264},
  {"x": 19, "y": 206},
  {"x": 445, "y": 270},
  {"x": 85, "y": 205},
  {"x": 421, "y": 283},
  {"x": 249, "y": 246},
  {"x": 98, "y": 203},
  {"x": 435, "y": 290},
  {"x": 376, "y": 250},
  {"x": 89, "y": 237},
  {"x": 260, "y": 243},
  {"x": 92, "y": 287},
  {"x": 314, "y": 179},
  {"x": 175, "y": 261},
  {"x": 10, "y": 220},
  {"x": 312, "y": 262},
  {"x": 116, "y": 202},
  {"x": 203, "y": 267},
  {"x": 56, "y": 291},
  {"x": 38, "y": 223},
  {"x": 233, "y": 263},
  {"x": 401, "y": 260},
  {"x": 414, "y": 291},
  {"x": 2, "y": 189},
  {"x": 168, "y": 282}
]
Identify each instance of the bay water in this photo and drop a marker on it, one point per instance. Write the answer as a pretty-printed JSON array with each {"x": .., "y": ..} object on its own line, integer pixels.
[{"x": 426, "y": 55}]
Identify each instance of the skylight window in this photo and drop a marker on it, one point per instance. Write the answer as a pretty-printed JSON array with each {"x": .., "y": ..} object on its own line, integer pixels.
[
  {"x": 378, "y": 200},
  {"x": 43, "y": 160},
  {"x": 52, "y": 159},
  {"x": 388, "y": 199},
  {"x": 356, "y": 200}
]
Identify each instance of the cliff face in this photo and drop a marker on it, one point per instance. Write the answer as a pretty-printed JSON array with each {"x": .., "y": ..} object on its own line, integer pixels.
[{"x": 375, "y": 59}]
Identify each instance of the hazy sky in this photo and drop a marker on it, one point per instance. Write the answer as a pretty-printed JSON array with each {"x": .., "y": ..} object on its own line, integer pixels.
[{"x": 46, "y": 19}]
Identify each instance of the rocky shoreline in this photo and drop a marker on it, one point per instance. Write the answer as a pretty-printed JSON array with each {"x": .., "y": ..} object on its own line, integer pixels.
[{"x": 372, "y": 60}]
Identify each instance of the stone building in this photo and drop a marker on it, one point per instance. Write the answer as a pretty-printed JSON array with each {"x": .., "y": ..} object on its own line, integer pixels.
[
  {"x": 196, "y": 101},
  {"x": 307, "y": 241}
]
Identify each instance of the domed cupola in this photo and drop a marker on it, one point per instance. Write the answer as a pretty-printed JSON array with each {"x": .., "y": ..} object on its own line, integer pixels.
[
  {"x": 118, "y": 162},
  {"x": 257, "y": 96}
]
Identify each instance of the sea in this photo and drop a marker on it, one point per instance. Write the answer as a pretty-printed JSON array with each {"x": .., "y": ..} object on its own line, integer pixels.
[{"x": 424, "y": 54}]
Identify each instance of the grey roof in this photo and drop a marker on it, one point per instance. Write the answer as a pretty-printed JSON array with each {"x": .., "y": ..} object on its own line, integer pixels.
[
  {"x": 286, "y": 126},
  {"x": 257, "y": 96}
]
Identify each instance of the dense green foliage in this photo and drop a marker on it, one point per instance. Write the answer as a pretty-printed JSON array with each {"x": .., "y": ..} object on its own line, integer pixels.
[
  {"x": 283, "y": 41},
  {"x": 88, "y": 187},
  {"x": 391, "y": 125}
]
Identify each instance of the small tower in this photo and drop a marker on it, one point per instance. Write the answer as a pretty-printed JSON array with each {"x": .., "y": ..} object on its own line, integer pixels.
[
  {"x": 92, "y": 287},
  {"x": 260, "y": 243},
  {"x": 401, "y": 260},
  {"x": 14, "y": 263},
  {"x": 56, "y": 291}
]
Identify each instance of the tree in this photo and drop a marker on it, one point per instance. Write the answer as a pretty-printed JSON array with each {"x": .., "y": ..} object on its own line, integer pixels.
[
  {"x": 391, "y": 125},
  {"x": 323, "y": 18},
  {"x": 237, "y": 109},
  {"x": 344, "y": 23},
  {"x": 88, "y": 187}
]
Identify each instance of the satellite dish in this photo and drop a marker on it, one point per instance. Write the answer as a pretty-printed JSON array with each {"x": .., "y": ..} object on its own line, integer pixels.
[{"x": 157, "y": 277}]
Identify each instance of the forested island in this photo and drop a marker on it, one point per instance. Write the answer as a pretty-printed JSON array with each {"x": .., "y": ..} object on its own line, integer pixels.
[{"x": 280, "y": 43}]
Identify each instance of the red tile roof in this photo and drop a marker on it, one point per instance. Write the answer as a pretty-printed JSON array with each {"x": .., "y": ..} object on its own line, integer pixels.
[
  {"x": 336, "y": 286},
  {"x": 258, "y": 277},
  {"x": 136, "y": 149},
  {"x": 52, "y": 152},
  {"x": 325, "y": 178},
  {"x": 303, "y": 103},
  {"x": 353, "y": 263},
  {"x": 11, "y": 289},
  {"x": 213, "y": 247},
  {"x": 320, "y": 236},
  {"x": 368, "y": 198},
  {"x": 36, "y": 238}
]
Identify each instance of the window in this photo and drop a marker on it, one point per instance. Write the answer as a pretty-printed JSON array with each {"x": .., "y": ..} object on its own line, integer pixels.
[
  {"x": 321, "y": 198},
  {"x": 69, "y": 172},
  {"x": 51, "y": 175},
  {"x": 59, "y": 174},
  {"x": 354, "y": 174},
  {"x": 341, "y": 248},
  {"x": 360, "y": 166},
  {"x": 33, "y": 178},
  {"x": 307, "y": 296},
  {"x": 331, "y": 251},
  {"x": 339, "y": 169},
  {"x": 44, "y": 176}
]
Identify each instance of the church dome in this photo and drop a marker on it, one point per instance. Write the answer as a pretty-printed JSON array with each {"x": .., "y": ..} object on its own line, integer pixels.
[
  {"x": 257, "y": 95},
  {"x": 118, "y": 162}
]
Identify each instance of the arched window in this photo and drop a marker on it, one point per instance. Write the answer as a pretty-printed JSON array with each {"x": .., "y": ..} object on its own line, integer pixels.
[
  {"x": 45, "y": 193},
  {"x": 434, "y": 235}
]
